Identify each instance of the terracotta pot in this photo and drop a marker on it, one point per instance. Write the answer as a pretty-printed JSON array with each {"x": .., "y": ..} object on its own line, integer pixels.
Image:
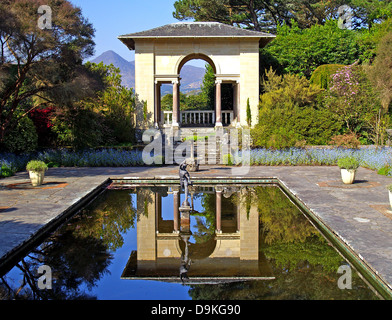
[
  {"x": 36, "y": 178},
  {"x": 348, "y": 175}
]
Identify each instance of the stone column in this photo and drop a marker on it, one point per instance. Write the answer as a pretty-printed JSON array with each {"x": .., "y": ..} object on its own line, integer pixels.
[
  {"x": 146, "y": 230},
  {"x": 238, "y": 213},
  {"x": 176, "y": 210},
  {"x": 218, "y": 103},
  {"x": 175, "y": 103},
  {"x": 238, "y": 103},
  {"x": 157, "y": 107},
  {"x": 218, "y": 196},
  {"x": 158, "y": 210}
]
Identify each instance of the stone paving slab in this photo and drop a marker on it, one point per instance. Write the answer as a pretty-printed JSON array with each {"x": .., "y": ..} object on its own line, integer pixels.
[{"x": 359, "y": 214}]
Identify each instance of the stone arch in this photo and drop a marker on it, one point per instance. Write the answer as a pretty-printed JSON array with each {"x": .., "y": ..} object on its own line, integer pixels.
[
  {"x": 184, "y": 59},
  {"x": 162, "y": 51},
  {"x": 198, "y": 251}
]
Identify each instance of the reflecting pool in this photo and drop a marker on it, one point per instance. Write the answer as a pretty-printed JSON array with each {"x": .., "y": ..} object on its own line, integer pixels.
[{"x": 146, "y": 242}]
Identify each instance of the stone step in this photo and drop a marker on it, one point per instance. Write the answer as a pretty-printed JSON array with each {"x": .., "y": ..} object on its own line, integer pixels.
[{"x": 211, "y": 145}]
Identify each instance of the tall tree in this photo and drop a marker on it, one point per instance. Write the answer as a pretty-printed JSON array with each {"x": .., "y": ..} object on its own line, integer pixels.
[
  {"x": 41, "y": 61},
  {"x": 251, "y": 14},
  {"x": 381, "y": 71},
  {"x": 301, "y": 51},
  {"x": 266, "y": 15},
  {"x": 366, "y": 13},
  {"x": 259, "y": 15}
]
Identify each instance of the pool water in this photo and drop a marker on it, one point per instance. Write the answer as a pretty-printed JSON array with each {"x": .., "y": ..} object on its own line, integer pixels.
[{"x": 228, "y": 242}]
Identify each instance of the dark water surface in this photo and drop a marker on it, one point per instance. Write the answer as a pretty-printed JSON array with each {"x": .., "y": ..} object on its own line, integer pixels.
[{"x": 234, "y": 242}]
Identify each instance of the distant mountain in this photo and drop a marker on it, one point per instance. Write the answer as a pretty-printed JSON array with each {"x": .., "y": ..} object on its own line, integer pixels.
[
  {"x": 191, "y": 76},
  {"x": 127, "y": 68}
]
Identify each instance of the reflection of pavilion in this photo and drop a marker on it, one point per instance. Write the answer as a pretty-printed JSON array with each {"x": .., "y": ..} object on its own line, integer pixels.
[{"x": 230, "y": 254}]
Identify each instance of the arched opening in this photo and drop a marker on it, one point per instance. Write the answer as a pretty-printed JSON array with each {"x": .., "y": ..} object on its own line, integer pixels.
[
  {"x": 196, "y": 56},
  {"x": 196, "y": 96},
  {"x": 197, "y": 90}
]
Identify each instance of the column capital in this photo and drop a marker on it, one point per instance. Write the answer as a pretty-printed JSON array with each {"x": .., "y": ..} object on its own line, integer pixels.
[
  {"x": 218, "y": 81},
  {"x": 218, "y": 188}
]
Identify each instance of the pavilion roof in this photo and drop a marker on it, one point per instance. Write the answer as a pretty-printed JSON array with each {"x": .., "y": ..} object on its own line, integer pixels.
[{"x": 195, "y": 30}]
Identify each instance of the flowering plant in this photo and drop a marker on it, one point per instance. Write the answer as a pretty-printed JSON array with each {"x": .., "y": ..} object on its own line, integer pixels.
[{"x": 355, "y": 103}]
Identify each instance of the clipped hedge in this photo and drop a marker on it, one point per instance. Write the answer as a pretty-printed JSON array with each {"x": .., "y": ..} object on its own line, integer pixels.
[{"x": 322, "y": 75}]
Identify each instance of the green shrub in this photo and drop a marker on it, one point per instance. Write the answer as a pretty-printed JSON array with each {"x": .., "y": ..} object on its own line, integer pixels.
[
  {"x": 118, "y": 130},
  {"x": 22, "y": 138},
  {"x": 322, "y": 75},
  {"x": 36, "y": 165},
  {"x": 385, "y": 170},
  {"x": 349, "y": 163},
  {"x": 81, "y": 129},
  {"x": 5, "y": 171},
  {"x": 53, "y": 165},
  {"x": 227, "y": 159},
  {"x": 389, "y": 187},
  {"x": 248, "y": 113},
  {"x": 280, "y": 128},
  {"x": 291, "y": 113}
]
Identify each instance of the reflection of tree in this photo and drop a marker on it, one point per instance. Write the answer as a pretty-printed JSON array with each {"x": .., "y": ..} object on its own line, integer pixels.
[
  {"x": 78, "y": 253},
  {"x": 208, "y": 202},
  {"x": 287, "y": 236},
  {"x": 108, "y": 218},
  {"x": 204, "y": 230},
  {"x": 144, "y": 198},
  {"x": 303, "y": 263},
  {"x": 305, "y": 284},
  {"x": 74, "y": 261},
  {"x": 205, "y": 221},
  {"x": 280, "y": 219}
]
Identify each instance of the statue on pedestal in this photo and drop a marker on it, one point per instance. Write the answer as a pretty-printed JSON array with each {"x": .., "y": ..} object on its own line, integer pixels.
[{"x": 185, "y": 181}]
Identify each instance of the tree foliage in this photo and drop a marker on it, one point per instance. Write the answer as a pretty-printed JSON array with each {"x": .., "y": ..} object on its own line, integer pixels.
[
  {"x": 353, "y": 101},
  {"x": 322, "y": 75},
  {"x": 41, "y": 64},
  {"x": 381, "y": 71},
  {"x": 367, "y": 13},
  {"x": 262, "y": 15},
  {"x": 301, "y": 51},
  {"x": 290, "y": 114},
  {"x": 105, "y": 119}
]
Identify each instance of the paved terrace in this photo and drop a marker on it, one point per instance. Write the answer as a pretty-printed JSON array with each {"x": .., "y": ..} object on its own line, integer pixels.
[{"x": 359, "y": 214}]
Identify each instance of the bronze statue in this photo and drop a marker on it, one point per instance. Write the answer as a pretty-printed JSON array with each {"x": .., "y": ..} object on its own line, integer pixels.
[{"x": 185, "y": 179}]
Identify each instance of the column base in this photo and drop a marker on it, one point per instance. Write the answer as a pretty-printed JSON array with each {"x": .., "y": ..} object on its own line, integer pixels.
[{"x": 218, "y": 124}]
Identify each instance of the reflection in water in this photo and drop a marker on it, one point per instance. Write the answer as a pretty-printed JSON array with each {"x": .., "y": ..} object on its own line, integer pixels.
[
  {"x": 225, "y": 251},
  {"x": 251, "y": 242},
  {"x": 185, "y": 181},
  {"x": 185, "y": 260}
]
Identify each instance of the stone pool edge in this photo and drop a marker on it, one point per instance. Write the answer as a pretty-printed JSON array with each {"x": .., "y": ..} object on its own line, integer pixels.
[
  {"x": 19, "y": 250},
  {"x": 370, "y": 274}
]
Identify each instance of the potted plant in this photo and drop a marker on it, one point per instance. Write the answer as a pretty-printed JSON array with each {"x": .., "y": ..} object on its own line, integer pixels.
[
  {"x": 389, "y": 187},
  {"x": 36, "y": 169},
  {"x": 348, "y": 167}
]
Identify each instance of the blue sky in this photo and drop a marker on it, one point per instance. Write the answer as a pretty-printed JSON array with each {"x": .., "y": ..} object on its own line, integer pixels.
[{"x": 117, "y": 17}]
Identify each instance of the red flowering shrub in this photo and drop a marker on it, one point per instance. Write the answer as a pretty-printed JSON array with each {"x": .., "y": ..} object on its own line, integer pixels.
[{"x": 42, "y": 120}]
